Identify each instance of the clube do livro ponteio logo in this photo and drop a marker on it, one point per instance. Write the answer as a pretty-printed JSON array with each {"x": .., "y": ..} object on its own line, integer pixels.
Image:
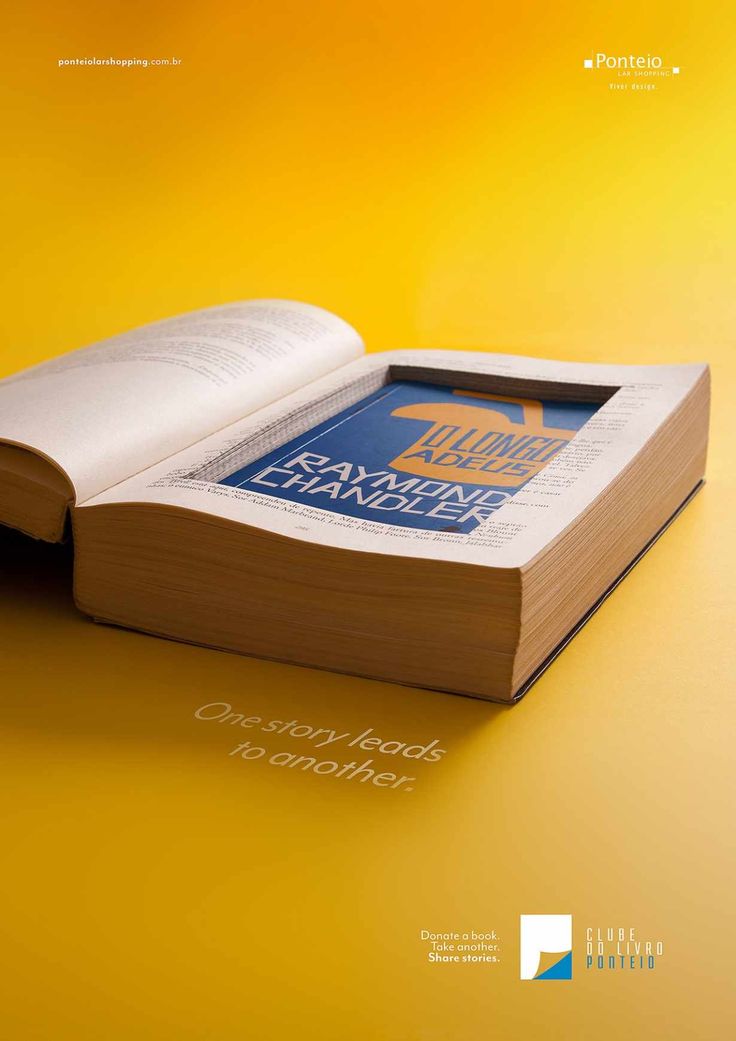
[{"x": 546, "y": 947}]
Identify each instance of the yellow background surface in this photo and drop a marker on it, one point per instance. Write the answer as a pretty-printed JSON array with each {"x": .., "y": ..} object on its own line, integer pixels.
[{"x": 441, "y": 175}]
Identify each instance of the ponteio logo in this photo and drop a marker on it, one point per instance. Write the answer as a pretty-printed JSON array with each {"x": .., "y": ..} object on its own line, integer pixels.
[
  {"x": 546, "y": 947},
  {"x": 601, "y": 60}
]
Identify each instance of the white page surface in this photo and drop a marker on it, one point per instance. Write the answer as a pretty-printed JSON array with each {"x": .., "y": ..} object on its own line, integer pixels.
[{"x": 109, "y": 410}]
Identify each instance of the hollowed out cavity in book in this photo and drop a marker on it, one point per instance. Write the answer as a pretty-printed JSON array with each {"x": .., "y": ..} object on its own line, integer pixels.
[{"x": 412, "y": 446}]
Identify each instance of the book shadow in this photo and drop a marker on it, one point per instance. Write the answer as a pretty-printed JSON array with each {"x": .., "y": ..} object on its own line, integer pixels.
[{"x": 71, "y": 680}]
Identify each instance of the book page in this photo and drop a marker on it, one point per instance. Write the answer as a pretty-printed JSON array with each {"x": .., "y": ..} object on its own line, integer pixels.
[
  {"x": 105, "y": 412},
  {"x": 255, "y": 473}
]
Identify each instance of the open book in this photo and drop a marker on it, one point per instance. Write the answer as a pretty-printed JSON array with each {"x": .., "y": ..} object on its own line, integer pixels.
[{"x": 244, "y": 477}]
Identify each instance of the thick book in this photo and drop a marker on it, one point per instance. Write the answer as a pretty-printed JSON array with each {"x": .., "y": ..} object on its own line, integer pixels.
[{"x": 244, "y": 477}]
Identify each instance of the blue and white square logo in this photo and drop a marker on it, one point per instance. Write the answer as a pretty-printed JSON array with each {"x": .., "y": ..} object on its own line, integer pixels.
[{"x": 546, "y": 947}]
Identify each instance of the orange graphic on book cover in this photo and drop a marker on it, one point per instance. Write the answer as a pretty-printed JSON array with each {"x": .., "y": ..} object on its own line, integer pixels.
[{"x": 480, "y": 445}]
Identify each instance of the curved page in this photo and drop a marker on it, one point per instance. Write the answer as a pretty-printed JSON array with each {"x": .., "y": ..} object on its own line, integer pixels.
[{"x": 107, "y": 411}]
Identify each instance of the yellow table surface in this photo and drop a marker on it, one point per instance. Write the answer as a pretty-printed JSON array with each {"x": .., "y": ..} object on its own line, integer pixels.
[{"x": 440, "y": 175}]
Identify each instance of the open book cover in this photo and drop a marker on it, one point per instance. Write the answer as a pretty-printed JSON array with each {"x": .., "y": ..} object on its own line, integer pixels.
[{"x": 245, "y": 477}]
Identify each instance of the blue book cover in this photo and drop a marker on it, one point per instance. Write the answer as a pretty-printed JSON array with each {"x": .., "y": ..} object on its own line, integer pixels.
[{"x": 418, "y": 455}]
